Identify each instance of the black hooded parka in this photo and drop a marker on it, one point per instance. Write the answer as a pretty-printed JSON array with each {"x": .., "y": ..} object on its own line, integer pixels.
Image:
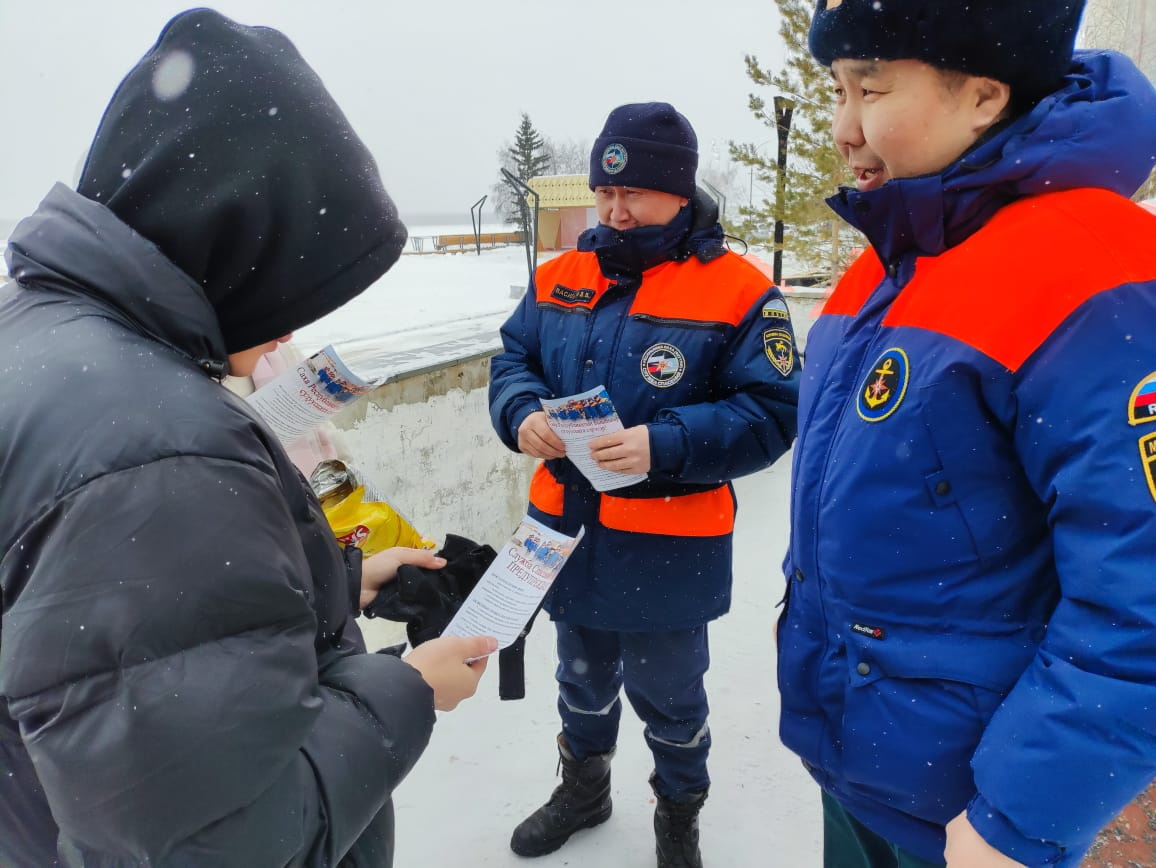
[{"x": 181, "y": 683}]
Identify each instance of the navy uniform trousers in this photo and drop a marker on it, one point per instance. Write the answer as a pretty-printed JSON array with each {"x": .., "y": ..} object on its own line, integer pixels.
[{"x": 662, "y": 673}]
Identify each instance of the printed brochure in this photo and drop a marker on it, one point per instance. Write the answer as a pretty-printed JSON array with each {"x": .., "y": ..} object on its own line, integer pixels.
[
  {"x": 511, "y": 590},
  {"x": 577, "y": 420},
  {"x": 305, "y": 396}
]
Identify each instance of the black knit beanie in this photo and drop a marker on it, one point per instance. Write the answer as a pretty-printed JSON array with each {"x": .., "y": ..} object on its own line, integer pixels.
[
  {"x": 1024, "y": 43},
  {"x": 224, "y": 149},
  {"x": 646, "y": 145}
]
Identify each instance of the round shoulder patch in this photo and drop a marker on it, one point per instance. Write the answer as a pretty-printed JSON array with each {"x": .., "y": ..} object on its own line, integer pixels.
[
  {"x": 1142, "y": 404},
  {"x": 885, "y": 386},
  {"x": 663, "y": 365},
  {"x": 614, "y": 159}
]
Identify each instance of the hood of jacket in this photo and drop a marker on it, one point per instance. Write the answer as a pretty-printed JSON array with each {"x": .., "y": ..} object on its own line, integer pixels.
[
  {"x": 76, "y": 246},
  {"x": 224, "y": 148},
  {"x": 1097, "y": 130}
]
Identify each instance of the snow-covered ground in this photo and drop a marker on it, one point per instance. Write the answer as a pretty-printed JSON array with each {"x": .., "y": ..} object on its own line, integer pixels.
[
  {"x": 429, "y": 307},
  {"x": 425, "y": 308}
]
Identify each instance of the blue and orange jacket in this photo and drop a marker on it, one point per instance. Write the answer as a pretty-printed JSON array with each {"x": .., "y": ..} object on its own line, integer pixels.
[
  {"x": 971, "y": 610},
  {"x": 702, "y": 352}
]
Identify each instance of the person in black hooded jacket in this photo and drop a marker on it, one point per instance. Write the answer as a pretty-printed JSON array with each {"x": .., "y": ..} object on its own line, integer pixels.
[{"x": 181, "y": 681}]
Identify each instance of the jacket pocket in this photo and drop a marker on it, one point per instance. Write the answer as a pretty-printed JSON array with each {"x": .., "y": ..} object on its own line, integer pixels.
[
  {"x": 706, "y": 513},
  {"x": 915, "y": 708},
  {"x": 990, "y": 497}
]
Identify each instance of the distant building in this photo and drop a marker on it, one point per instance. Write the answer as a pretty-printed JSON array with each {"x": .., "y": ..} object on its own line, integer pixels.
[{"x": 565, "y": 209}]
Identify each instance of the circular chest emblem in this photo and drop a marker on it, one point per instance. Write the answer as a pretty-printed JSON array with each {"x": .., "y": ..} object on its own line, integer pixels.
[
  {"x": 885, "y": 386},
  {"x": 614, "y": 159},
  {"x": 663, "y": 365}
]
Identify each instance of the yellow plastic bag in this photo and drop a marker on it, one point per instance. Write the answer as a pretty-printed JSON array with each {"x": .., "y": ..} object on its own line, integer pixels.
[{"x": 358, "y": 515}]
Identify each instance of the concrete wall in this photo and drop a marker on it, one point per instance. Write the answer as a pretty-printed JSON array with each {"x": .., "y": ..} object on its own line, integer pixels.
[{"x": 426, "y": 440}]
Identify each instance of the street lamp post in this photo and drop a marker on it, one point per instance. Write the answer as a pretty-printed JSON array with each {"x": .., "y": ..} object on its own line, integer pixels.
[{"x": 784, "y": 109}]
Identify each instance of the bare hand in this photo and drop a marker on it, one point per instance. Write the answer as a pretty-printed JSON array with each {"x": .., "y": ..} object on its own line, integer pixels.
[
  {"x": 966, "y": 848},
  {"x": 442, "y": 663},
  {"x": 537, "y": 439},
  {"x": 381, "y": 568},
  {"x": 625, "y": 451}
]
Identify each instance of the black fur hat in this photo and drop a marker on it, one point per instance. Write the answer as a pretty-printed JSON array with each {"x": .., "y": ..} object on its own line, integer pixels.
[{"x": 1024, "y": 43}]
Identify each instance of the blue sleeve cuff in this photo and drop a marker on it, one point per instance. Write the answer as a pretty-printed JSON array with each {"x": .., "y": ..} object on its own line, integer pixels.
[
  {"x": 999, "y": 832},
  {"x": 667, "y": 453},
  {"x": 519, "y": 414}
]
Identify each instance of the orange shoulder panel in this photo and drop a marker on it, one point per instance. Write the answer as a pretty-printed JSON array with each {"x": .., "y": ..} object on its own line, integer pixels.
[
  {"x": 571, "y": 280},
  {"x": 1009, "y": 286},
  {"x": 856, "y": 285},
  {"x": 719, "y": 291}
]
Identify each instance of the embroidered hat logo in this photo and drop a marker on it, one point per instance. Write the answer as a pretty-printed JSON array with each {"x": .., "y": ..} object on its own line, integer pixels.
[{"x": 614, "y": 159}]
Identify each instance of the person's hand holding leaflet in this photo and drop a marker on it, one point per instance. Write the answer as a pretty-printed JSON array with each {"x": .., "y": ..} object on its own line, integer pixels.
[
  {"x": 442, "y": 663},
  {"x": 626, "y": 451},
  {"x": 537, "y": 439}
]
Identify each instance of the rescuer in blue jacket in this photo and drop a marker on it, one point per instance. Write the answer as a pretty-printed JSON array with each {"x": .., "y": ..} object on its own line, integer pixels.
[
  {"x": 967, "y": 656},
  {"x": 697, "y": 353}
]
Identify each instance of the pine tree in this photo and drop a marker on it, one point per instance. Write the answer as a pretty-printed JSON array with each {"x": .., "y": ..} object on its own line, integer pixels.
[
  {"x": 526, "y": 158},
  {"x": 529, "y": 151},
  {"x": 813, "y": 235}
]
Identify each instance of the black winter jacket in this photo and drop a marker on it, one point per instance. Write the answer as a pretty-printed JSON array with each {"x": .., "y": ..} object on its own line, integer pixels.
[{"x": 180, "y": 680}]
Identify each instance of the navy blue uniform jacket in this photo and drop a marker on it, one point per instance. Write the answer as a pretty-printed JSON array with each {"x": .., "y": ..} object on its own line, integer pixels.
[
  {"x": 971, "y": 620},
  {"x": 702, "y": 352}
]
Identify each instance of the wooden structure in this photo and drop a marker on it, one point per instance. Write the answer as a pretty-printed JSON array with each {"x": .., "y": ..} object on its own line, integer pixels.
[
  {"x": 468, "y": 242},
  {"x": 565, "y": 209}
]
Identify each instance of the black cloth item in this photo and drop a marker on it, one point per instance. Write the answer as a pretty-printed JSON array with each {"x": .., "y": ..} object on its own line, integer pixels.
[
  {"x": 223, "y": 148},
  {"x": 427, "y": 599},
  {"x": 512, "y": 664},
  {"x": 646, "y": 145},
  {"x": 1027, "y": 43}
]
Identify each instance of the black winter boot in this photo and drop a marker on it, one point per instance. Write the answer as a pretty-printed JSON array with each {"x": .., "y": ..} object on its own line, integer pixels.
[
  {"x": 676, "y": 830},
  {"x": 581, "y": 801}
]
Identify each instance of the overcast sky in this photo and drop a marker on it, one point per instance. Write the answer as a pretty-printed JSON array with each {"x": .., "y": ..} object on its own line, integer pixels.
[{"x": 433, "y": 88}]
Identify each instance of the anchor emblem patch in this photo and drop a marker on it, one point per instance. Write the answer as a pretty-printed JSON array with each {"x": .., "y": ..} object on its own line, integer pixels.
[{"x": 885, "y": 386}]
